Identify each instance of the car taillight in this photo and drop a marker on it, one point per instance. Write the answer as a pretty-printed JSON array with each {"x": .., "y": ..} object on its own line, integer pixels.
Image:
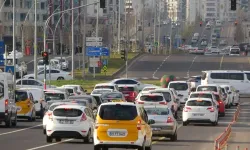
[
  {"x": 186, "y": 109},
  {"x": 132, "y": 94},
  {"x": 139, "y": 125},
  {"x": 48, "y": 113},
  {"x": 211, "y": 109},
  {"x": 163, "y": 103},
  {"x": 140, "y": 102},
  {"x": 220, "y": 102},
  {"x": 6, "y": 102},
  {"x": 50, "y": 116},
  {"x": 170, "y": 120},
  {"x": 83, "y": 117}
]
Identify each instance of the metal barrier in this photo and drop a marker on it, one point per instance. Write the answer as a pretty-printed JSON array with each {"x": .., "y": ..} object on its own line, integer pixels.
[{"x": 237, "y": 113}]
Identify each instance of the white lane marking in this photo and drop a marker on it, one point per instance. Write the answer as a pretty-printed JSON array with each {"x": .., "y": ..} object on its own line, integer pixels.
[
  {"x": 20, "y": 130},
  {"x": 153, "y": 75},
  {"x": 191, "y": 66},
  {"x": 39, "y": 147}
]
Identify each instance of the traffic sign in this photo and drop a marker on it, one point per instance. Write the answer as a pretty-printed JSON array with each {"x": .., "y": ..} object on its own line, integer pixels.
[
  {"x": 2, "y": 47},
  {"x": 93, "y": 39},
  {"x": 105, "y": 51},
  {"x": 9, "y": 69},
  {"x": 105, "y": 68},
  {"x": 93, "y": 43},
  {"x": 156, "y": 44},
  {"x": 104, "y": 62},
  {"x": 93, "y": 51},
  {"x": 93, "y": 61}
]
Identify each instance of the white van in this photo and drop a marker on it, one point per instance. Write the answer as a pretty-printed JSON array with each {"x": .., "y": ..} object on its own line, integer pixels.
[
  {"x": 8, "y": 110},
  {"x": 182, "y": 88},
  {"x": 238, "y": 79},
  {"x": 234, "y": 51},
  {"x": 218, "y": 23}
]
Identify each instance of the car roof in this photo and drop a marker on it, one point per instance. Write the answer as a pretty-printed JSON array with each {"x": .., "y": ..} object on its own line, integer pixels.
[
  {"x": 71, "y": 106},
  {"x": 223, "y": 71},
  {"x": 208, "y": 85},
  {"x": 202, "y": 92},
  {"x": 102, "y": 89},
  {"x": 55, "y": 91},
  {"x": 62, "y": 102},
  {"x": 127, "y": 85},
  {"x": 178, "y": 82},
  {"x": 155, "y": 106},
  {"x": 121, "y": 103},
  {"x": 31, "y": 88},
  {"x": 153, "y": 94},
  {"x": 207, "y": 99},
  {"x": 70, "y": 85},
  {"x": 105, "y": 84},
  {"x": 160, "y": 90}
]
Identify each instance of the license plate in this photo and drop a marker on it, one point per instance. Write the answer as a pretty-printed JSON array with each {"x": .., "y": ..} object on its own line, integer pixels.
[
  {"x": 198, "y": 114},
  {"x": 156, "y": 129},
  {"x": 115, "y": 100},
  {"x": 66, "y": 121},
  {"x": 126, "y": 94},
  {"x": 116, "y": 133}
]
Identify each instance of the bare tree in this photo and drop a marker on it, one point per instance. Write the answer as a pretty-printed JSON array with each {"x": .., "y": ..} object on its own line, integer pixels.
[{"x": 239, "y": 34}]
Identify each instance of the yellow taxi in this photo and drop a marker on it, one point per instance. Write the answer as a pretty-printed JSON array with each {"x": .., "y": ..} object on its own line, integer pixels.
[
  {"x": 25, "y": 105},
  {"x": 122, "y": 125}
]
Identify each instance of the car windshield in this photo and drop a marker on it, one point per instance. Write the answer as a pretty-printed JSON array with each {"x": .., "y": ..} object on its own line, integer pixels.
[
  {"x": 54, "y": 96},
  {"x": 100, "y": 91},
  {"x": 21, "y": 96},
  {"x": 105, "y": 87},
  {"x": 126, "y": 89},
  {"x": 179, "y": 86},
  {"x": 148, "y": 89},
  {"x": 111, "y": 95},
  {"x": 199, "y": 103},
  {"x": 40, "y": 63},
  {"x": 157, "y": 111},
  {"x": 207, "y": 88},
  {"x": 235, "y": 51},
  {"x": 118, "y": 112},
  {"x": 201, "y": 95},
  {"x": 151, "y": 98}
]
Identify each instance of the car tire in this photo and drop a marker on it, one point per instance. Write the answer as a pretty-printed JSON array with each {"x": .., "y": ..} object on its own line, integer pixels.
[
  {"x": 174, "y": 137},
  {"x": 184, "y": 123},
  {"x": 97, "y": 148},
  {"x": 222, "y": 114},
  {"x": 14, "y": 122},
  {"x": 88, "y": 139},
  {"x": 44, "y": 131},
  {"x": 60, "y": 78},
  {"x": 49, "y": 139},
  {"x": 58, "y": 139},
  {"x": 8, "y": 123},
  {"x": 149, "y": 147}
]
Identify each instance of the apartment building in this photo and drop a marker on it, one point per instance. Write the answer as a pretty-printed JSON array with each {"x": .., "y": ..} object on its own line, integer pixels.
[{"x": 175, "y": 9}]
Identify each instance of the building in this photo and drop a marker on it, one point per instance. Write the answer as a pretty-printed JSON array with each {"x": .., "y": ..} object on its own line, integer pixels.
[
  {"x": 192, "y": 11},
  {"x": 175, "y": 9},
  {"x": 24, "y": 20}
]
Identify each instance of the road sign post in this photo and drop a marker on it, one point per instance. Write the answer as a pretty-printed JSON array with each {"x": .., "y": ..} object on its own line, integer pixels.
[
  {"x": 10, "y": 69},
  {"x": 105, "y": 69}
]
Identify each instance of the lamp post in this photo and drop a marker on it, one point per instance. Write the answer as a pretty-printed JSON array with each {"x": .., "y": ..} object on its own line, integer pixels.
[{"x": 14, "y": 43}]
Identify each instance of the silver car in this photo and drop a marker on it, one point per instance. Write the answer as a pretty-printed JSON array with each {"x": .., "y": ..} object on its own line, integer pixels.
[{"x": 164, "y": 123}]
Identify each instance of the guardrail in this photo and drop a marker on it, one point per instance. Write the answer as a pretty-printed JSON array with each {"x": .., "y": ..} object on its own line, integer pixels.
[{"x": 221, "y": 141}]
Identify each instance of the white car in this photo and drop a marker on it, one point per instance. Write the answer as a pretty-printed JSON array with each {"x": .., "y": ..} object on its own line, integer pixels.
[
  {"x": 70, "y": 121},
  {"x": 55, "y": 63},
  {"x": 80, "y": 90},
  {"x": 204, "y": 94},
  {"x": 198, "y": 110},
  {"x": 64, "y": 62},
  {"x": 107, "y": 86},
  {"x": 182, "y": 88},
  {"x": 48, "y": 114},
  {"x": 127, "y": 81},
  {"x": 26, "y": 83},
  {"x": 233, "y": 94},
  {"x": 54, "y": 73},
  {"x": 148, "y": 88},
  {"x": 38, "y": 96},
  {"x": 55, "y": 95},
  {"x": 151, "y": 99}
]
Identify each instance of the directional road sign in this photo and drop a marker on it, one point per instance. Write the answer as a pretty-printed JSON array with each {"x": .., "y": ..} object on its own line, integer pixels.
[
  {"x": 93, "y": 43},
  {"x": 93, "y": 39},
  {"x": 105, "y": 51},
  {"x": 9, "y": 69},
  {"x": 93, "y": 51}
]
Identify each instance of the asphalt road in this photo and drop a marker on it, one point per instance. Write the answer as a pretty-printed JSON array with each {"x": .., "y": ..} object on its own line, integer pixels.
[
  {"x": 182, "y": 65},
  {"x": 29, "y": 136}
]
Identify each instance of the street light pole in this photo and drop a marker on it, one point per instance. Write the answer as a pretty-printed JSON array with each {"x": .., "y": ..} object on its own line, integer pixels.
[
  {"x": 159, "y": 28},
  {"x": 14, "y": 43},
  {"x": 72, "y": 38},
  {"x": 35, "y": 42},
  {"x": 119, "y": 27},
  {"x": 155, "y": 25}
]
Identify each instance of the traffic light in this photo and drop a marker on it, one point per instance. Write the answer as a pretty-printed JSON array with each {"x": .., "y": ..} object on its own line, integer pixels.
[
  {"x": 233, "y": 4},
  {"x": 45, "y": 56},
  {"x": 200, "y": 24},
  {"x": 102, "y": 3},
  {"x": 123, "y": 55},
  {"x": 235, "y": 23}
]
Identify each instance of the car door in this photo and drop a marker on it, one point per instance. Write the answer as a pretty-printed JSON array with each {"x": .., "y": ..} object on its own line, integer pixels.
[
  {"x": 92, "y": 118},
  {"x": 148, "y": 128},
  {"x": 40, "y": 75}
]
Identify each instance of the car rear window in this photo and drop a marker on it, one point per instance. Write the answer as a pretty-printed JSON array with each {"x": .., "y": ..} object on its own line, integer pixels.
[
  {"x": 166, "y": 95},
  {"x": 105, "y": 87},
  {"x": 201, "y": 95},
  {"x": 157, "y": 111},
  {"x": 21, "y": 96},
  {"x": 54, "y": 96},
  {"x": 151, "y": 98},
  {"x": 111, "y": 95},
  {"x": 179, "y": 86},
  {"x": 67, "y": 112},
  {"x": 207, "y": 88},
  {"x": 199, "y": 103},
  {"x": 70, "y": 91},
  {"x": 118, "y": 112},
  {"x": 100, "y": 91},
  {"x": 126, "y": 89}
]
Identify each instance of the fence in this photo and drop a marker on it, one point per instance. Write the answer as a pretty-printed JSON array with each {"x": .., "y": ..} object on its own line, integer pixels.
[{"x": 221, "y": 141}]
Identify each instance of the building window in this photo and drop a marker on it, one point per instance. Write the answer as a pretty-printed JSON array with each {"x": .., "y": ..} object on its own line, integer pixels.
[
  {"x": 22, "y": 16},
  {"x": 21, "y": 3},
  {"x": 104, "y": 10},
  {"x": 28, "y": 4},
  {"x": 7, "y": 3},
  {"x": 42, "y": 5},
  {"x": 117, "y": 2},
  {"x": 44, "y": 17},
  {"x": 110, "y": 8},
  {"x": 95, "y": 11}
]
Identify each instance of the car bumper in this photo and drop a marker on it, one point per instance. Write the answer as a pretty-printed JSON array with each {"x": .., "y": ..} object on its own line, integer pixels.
[
  {"x": 3, "y": 117},
  {"x": 67, "y": 132},
  {"x": 163, "y": 130},
  {"x": 29, "y": 114},
  {"x": 188, "y": 117}
]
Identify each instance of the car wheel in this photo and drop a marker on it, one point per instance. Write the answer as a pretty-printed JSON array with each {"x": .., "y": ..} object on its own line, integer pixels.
[
  {"x": 58, "y": 139},
  {"x": 184, "y": 123},
  {"x": 8, "y": 122},
  {"x": 222, "y": 114},
  {"x": 60, "y": 78},
  {"x": 48, "y": 139},
  {"x": 174, "y": 137},
  {"x": 44, "y": 131},
  {"x": 14, "y": 122},
  {"x": 88, "y": 139}
]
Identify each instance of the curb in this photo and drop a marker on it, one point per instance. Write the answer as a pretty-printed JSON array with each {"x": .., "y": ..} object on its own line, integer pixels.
[{"x": 130, "y": 62}]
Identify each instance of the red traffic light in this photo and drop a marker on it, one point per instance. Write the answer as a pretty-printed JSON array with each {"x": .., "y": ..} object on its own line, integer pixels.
[{"x": 44, "y": 54}]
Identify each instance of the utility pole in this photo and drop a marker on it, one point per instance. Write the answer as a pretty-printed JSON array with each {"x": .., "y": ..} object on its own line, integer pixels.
[
  {"x": 159, "y": 26},
  {"x": 22, "y": 30},
  {"x": 136, "y": 29},
  {"x": 119, "y": 27},
  {"x": 14, "y": 43},
  {"x": 155, "y": 25},
  {"x": 84, "y": 39},
  {"x": 143, "y": 22},
  {"x": 72, "y": 38},
  {"x": 35, "y": 42}
]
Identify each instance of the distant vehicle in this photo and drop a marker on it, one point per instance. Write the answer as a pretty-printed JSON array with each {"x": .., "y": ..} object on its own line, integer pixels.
[
  {"x": 208, "y": 26},
  {"x": 204, "y": 43},
  {"x": 218, "y": 23},
  {"x": 196, "y": 34},
  {"x": 223, "y": 42},
  {"x": 64, "y": 62},
  {"x": 234, "y": 51}
]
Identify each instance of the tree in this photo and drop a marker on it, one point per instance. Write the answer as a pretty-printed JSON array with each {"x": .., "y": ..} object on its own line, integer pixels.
[{"x": 239, "y": 34}]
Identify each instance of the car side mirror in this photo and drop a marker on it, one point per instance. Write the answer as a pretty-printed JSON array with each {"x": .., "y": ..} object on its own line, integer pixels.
[{"x": 151, "y": 121}]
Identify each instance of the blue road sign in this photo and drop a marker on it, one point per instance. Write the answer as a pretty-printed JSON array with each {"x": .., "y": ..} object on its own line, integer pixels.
[
  {"x": 93, "y": 51},
  {"x": 9, "y": 69},
  {"x": 105, "y": 51},
  {"x": 104, "y": 62},
  {"x": 2, "y": 47}
]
